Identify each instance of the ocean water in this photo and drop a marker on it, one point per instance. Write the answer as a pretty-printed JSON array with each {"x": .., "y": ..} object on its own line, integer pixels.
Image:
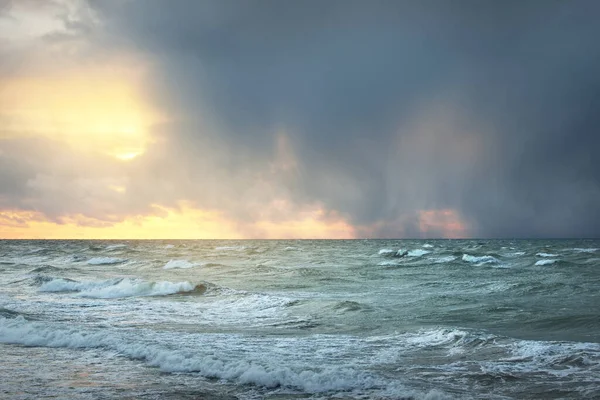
[{"x": 356, "y": 319}]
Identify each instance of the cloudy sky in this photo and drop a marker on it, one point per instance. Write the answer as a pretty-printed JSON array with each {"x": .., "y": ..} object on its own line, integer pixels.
[{"x": 299, "y": 119}]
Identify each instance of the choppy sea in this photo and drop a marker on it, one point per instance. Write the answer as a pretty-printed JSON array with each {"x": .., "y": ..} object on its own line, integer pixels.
[{"x": 356, "y": 319}]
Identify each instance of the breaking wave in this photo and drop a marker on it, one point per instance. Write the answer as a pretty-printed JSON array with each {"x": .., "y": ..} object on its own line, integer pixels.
[
  {"x": 546, "y": 262},
  {"x": 417, "y": 253},
  {"x": 546, "y": 255},
  {"x": 480, "y": 260},
  {"x": 117, "y": 288},
  {"x": 315, "y": 380},
  {"x": 582, "y": 250}
]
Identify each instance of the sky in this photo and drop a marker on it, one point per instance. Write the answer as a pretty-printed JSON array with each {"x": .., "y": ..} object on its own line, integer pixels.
[{"x": 141, "y": 119}]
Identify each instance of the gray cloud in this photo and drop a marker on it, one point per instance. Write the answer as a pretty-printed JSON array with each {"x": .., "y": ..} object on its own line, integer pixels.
[{"x": 387, "y": 107}]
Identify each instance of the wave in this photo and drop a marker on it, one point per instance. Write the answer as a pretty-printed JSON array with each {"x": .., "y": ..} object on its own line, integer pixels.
[
  {"x": 230, "y": 248},
  {"x": 516, "y": 254},
  {"x": 389, "y": 264},
  {"x": 427, "y": 245},
  {"x": 546, "y": 255},
  {"x": 313, "y": 380},
  {"x": 105, "y": 260},
  {"x": 349, "y": 305},
  {"x": 398, "y": 253},
  {"x": 583, "y": 250},
  {"x": 115, "y": 247},
  {"x": 45, "y": 268},
  {"x": 118, "y": 288},
  {"x": 6, "y": 313},
  {"x": 545, "y": 262},
  {"x": 179, "y": 264},
  {"x": 480, "y": 260},
  {"x": 386, "y": 252},
  {"x": 440, "y": 260},
  {"x": 417, "y": 253}
]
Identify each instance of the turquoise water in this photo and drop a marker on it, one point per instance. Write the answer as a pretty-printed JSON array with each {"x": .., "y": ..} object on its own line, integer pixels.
[{"x": 350, "y": 319}]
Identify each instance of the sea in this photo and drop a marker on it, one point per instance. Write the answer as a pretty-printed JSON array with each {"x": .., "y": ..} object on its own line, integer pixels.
[{"x": 300, "y": 319}]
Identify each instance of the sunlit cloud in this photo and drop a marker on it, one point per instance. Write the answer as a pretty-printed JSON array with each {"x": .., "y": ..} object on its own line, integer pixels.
[
  {"x": 446, "y": 223},
  {"x": 94, "y": 111}
]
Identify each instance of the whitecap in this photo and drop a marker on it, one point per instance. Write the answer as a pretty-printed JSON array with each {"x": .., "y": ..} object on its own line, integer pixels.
[
  {"x": 427, "y": 245},
  {"x": 582, "y": 250},
  {"x": 117, "y": 288},
  {"x": 546, "y": 255},
  {"x": 545, "y": 262},
  {"x": 208, "y": 364},
  {"x": 386, "y": 252},
  {"x": 480, "y": 260},
  {"x": 416, "y": 253},
  {"x": 105, "y": 260}
]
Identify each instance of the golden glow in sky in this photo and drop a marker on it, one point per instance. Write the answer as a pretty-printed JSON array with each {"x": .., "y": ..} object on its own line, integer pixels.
[
  {"x": 184, "y": 222},
  {"x": 90, "y": 111}
]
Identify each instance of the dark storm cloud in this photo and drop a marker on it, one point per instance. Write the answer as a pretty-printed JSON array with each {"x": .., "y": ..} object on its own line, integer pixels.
[{"x": 489, "y": 108}]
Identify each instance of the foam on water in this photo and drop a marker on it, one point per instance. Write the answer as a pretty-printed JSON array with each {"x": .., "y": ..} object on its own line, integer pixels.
[
  {"x": 480, "y": 260},
  {"x": 117, "y": 288},
  {"x": 202, "y": 361},
  {"x": 582, "y": 250},
  {"x": 546, "y": 255},
  {"x": 179, "y": 264},
  {"x": 545, "y": 262},
  {"x": 417, "y": 253},
  {"x": 386, "y": 252}
]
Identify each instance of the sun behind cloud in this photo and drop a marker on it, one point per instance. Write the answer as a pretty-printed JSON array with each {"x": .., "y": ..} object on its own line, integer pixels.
[{"x": 90, "y": 110}]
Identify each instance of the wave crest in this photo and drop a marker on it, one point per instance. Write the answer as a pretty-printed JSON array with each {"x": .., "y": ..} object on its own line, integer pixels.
[{"x": 119, "y": 288}]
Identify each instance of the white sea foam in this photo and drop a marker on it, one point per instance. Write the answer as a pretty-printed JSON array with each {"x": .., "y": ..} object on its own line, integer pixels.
[
  {"x": 545, "y": 262},
  {"x": 179, "y": 264},
  {"x": 105, "y": 260},
  {"x": 427, "y": 245},
  {"x": 388, "y": 263},
  {"x": 205, "y": 362},
  {"x": 582, "y": 250},
  {"x": 386, "y": 252},
  {"x": 117, "y": 288},
  {"x": 480, "y": 260},
  {"x": 417, "y": 253},
  {"x": 516, "y": 254},
  {"x": 546, "y": 255}
]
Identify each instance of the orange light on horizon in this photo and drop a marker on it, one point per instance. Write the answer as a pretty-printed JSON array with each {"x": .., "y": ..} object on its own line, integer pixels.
[
  {"x": 183, "y": 222},
  {"x": 445, "y": 222}
]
